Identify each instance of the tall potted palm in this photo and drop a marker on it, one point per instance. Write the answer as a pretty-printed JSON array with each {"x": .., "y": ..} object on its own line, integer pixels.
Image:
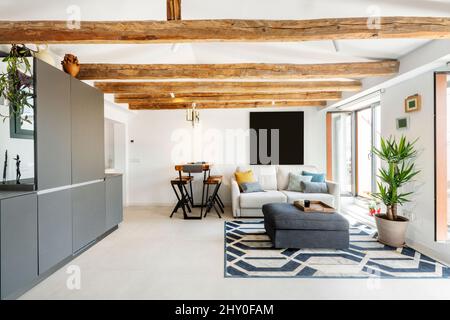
[{"x": 398, "y": 170}]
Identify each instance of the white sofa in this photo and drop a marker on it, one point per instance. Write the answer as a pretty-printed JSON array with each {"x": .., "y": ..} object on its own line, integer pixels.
[{"x": 274, "y": 179}]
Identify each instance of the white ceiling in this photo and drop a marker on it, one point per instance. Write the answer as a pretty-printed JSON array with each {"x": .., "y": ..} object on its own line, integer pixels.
[
  {"x": 303, "y": 52},
  {"x": 220, "y": 9}
]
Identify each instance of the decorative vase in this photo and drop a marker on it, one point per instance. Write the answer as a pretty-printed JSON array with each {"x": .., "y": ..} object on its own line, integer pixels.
[
  {"x": 43, "y": 53},
  {"x": 391, "y": 232},
  {"x": 70, "y": 64}
]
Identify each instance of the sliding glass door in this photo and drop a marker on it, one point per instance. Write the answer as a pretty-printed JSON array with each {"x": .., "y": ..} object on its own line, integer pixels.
[
  {"x": 364, "y": 152},
  {"x": 354, "y": 134},
  {"x": 342, "y": 151},
  {"x": 367, "y": 136}
]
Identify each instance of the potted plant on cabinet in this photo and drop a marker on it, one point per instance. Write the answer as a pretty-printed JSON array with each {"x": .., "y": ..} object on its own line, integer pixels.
[
  {"x": 16, "y": 82},
  {"x": 399, "y": 169}
]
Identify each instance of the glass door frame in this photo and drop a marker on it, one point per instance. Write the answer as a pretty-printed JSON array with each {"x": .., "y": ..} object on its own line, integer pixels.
[
  {"x": 352, "y": 141},
  {"x": 354, "y": 147},
  {"x": 441, "y": 202}
]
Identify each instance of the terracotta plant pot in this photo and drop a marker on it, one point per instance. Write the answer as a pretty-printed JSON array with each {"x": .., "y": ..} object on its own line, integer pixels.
[
  {"x": 391, "y": 233},
  {"x": 70, "y": 65}
]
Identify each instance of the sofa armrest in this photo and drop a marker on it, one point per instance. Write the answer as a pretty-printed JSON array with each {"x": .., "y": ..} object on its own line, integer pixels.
[
  {"x": 333, "y": 189},
  {"x": 235, "y": 194}
]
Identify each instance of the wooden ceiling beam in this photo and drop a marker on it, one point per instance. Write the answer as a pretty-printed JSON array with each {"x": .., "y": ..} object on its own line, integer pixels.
[
  {"x": 218, "y": 87},
  {"x": 173, "y": 10},
  {"x": 247, "y": 71},
  {"x": 225, "y": 105},
  {"x": 105, "y": 32},
  {"x": 214, "y": 97}
]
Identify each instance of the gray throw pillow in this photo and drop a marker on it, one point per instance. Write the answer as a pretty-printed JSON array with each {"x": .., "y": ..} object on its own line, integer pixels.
[
  {"x": 314, "y": 187},
  {"x": 248, "y": 187},
  {"x": 294, "y": 181}
]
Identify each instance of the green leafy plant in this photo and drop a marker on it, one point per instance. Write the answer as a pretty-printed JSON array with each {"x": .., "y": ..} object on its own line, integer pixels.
[
  {"x": 399, "y": 170},
  {"x": 16, "y": 82}
]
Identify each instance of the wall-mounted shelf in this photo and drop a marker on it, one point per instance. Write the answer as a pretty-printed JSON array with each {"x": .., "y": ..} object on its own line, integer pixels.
[{"x": 25, "y": 185}]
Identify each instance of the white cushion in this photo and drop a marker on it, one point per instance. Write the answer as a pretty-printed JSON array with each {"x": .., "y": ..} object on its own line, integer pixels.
[
  {"x": 265, "y": 175},
  {"x": 258, "y": 199},
  {"x": 284, "y": 170},
  {"x": 324, "y": 197}
]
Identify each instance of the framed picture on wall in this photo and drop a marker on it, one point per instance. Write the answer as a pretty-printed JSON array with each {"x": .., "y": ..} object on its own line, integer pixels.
[
  {"x": 277, "y": 137},
  {"x": 402, "y": 123},
  {"x": 413, "y": 103}
]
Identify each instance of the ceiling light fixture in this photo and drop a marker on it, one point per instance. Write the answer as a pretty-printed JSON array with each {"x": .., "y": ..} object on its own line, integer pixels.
[{"x": 193, "y": 115}]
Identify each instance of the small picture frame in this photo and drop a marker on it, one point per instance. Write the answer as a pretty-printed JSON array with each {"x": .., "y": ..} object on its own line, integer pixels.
[
  {"x": 413, "y": 103},
  {"x": 402, "y": 123}
]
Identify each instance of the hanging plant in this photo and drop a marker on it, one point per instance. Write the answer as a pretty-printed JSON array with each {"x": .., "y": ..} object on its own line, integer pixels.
[{"x": 16, "y": 82}]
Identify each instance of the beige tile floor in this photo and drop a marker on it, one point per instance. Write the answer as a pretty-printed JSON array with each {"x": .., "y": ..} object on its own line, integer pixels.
[{"x": 153, "y": 257}]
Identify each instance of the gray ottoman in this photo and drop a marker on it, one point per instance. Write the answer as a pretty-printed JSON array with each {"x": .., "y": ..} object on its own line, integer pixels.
[{"x": 289, "y": 227}]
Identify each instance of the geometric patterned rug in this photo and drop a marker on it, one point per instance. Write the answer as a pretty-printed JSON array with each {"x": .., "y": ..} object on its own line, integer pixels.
[{"x": 250, "y": 254}]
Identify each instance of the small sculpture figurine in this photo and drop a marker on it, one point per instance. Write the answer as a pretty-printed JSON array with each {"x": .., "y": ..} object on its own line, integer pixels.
[
  {"x": 5, "y": 166},
  {"x": 18, "y": 174}
]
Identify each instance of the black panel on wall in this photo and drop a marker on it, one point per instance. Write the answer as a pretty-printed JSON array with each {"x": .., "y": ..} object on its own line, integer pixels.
[{"x": 290, "y": 127}]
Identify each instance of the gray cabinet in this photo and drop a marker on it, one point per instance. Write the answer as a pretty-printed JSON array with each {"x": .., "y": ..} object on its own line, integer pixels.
[
  {"x": 114, "y": 203},
  {"x": 38, "y": 231},
  {"x": 88, "y": 156},
  {"x": 88, "y": 213},
  {"x": 19, "y": 261},
  {"x": 53, "y": 134},
  {"x": 55, "y": 228}
]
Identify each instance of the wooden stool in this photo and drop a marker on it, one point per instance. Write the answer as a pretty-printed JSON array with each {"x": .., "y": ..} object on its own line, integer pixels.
[
  {"x": 220, "y": 203},
  {"x": 214, "y": 199},
  {"x": 182, "y": 194}
]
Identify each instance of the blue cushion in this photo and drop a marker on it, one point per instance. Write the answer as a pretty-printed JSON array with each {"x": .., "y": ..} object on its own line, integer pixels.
[
  {"x": 316, "y": 177},
  {"x": 248, "y": 187}
]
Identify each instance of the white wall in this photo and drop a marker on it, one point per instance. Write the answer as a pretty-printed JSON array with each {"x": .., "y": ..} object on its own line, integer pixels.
[
  {"x": 109, "y": 144},
  {"x": 163, "y": 138},
  {"x": 119, "y": 118},
  {"x": 421, "y": 210}
]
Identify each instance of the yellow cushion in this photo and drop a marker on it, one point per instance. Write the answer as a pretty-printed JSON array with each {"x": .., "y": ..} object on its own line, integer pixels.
[{"x": 245, "y": 176}]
